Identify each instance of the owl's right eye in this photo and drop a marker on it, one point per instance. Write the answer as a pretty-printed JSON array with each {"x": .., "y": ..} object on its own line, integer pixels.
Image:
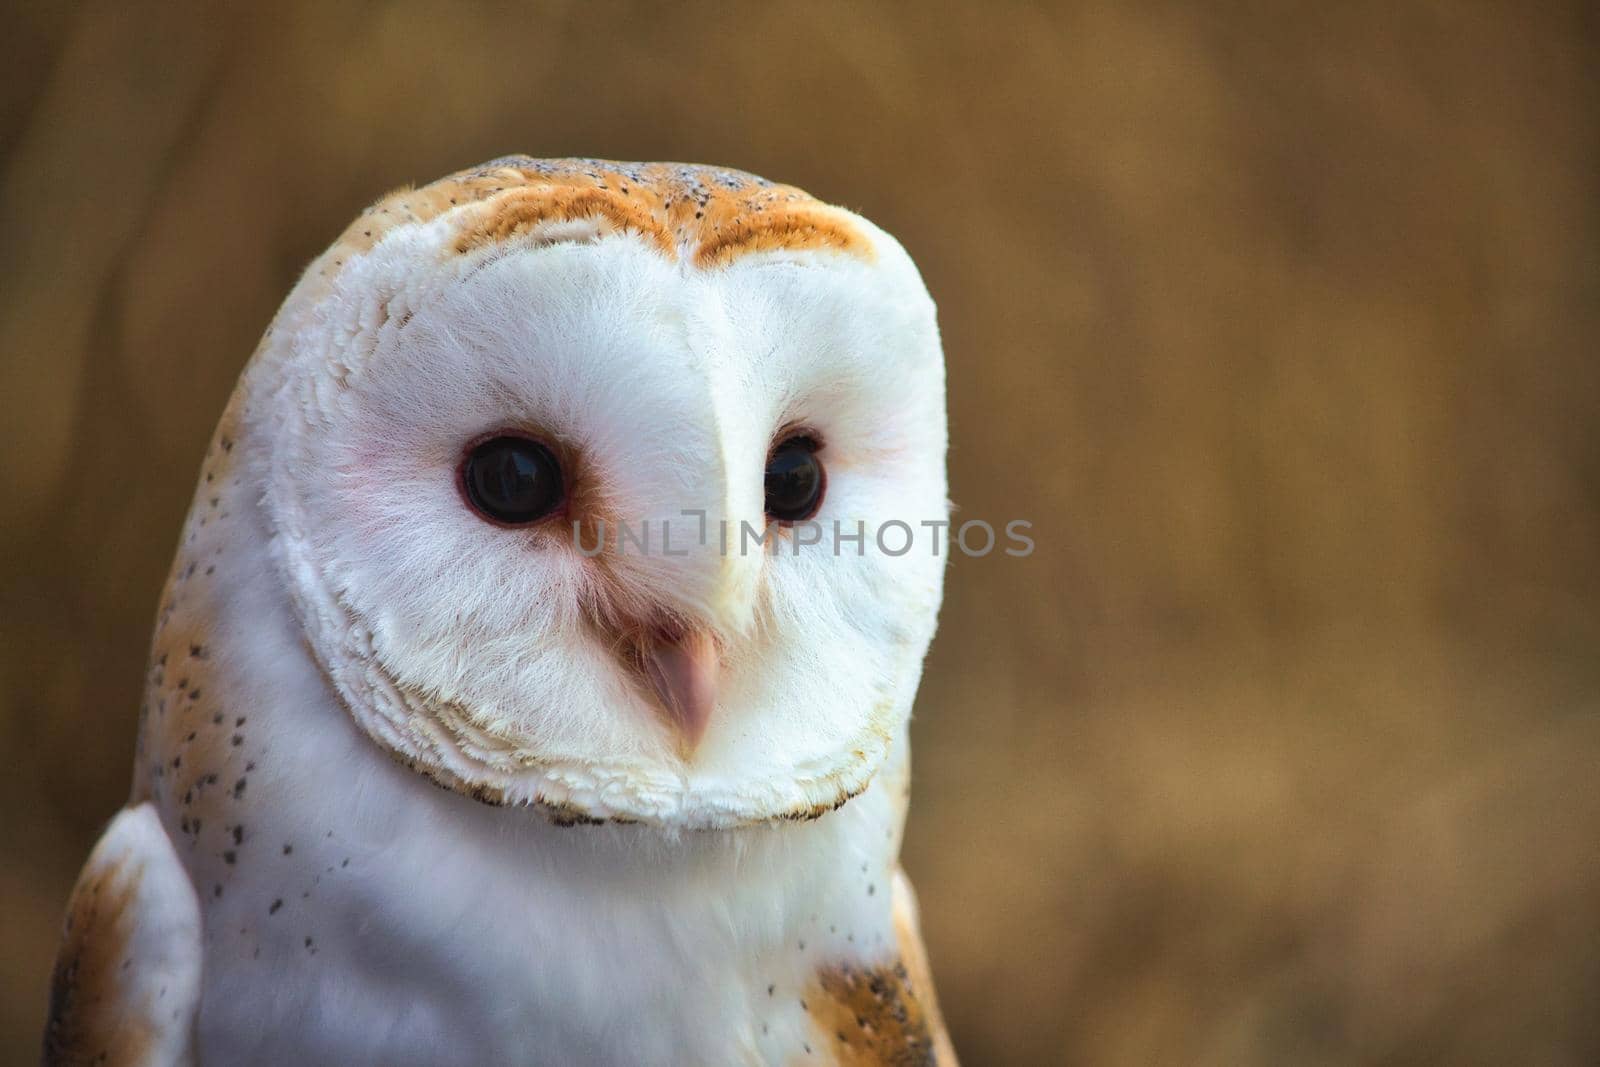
[{"x": 512, "y": 480}]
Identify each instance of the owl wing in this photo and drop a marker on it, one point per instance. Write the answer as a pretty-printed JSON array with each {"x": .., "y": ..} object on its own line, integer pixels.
[
  {"x": 914, "y": 957},
  {"x": 127, "y": 977}
]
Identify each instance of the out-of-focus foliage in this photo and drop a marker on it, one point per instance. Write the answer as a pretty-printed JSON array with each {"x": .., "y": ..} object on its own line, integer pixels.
[{"x": 1279, "y": 322}]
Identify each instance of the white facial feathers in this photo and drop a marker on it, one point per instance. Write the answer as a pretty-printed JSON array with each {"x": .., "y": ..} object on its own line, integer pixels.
[{"x": 497, "y": 659}]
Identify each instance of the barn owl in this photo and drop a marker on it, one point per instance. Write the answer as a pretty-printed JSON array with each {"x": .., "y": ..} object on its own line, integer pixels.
[{"x": 442, "y": 760}]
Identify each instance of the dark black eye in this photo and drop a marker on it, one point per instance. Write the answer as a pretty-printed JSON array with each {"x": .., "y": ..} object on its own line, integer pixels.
[
  {"x": 795, "y": 480},
  {"x": 512, "y": 480}
]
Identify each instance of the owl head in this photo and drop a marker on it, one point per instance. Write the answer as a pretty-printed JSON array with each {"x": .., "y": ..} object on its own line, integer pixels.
[{"x": 576, "y": 473}]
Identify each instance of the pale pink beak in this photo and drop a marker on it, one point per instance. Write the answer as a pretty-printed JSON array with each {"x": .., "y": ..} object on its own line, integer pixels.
[{"x": 682, "y": 672}]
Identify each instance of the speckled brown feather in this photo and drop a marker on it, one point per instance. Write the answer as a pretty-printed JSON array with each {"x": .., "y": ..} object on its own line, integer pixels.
[
  {"x": 205, "y": 757},
  {"x": 88, "y": 1024},
  {"x": 708, "y": 216},
  {"x": 914, "y": 956}
]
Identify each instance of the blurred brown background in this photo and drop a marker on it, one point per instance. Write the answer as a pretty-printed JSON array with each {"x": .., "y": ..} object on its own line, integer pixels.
[{"x": 1279, "y": 321}]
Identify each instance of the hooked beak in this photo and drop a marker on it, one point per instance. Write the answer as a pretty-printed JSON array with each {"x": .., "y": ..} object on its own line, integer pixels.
[{"x": 682, "y": 671}]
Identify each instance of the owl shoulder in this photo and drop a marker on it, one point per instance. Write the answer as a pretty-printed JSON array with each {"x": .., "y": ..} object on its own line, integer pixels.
[{"x": 884, "y": 1015}]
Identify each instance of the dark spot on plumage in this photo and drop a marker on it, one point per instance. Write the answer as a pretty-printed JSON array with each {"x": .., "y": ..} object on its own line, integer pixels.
[
  {"x": 238, "y": 835},
  {"x": 875, "y": 1011},
  {"x": 238, "y": 789},
  {"x": 287, "y": 849},
  {"x": 273, "y": 908},
  {"x": 229, "y": 857},
  {"x": 237, "y": 740}
]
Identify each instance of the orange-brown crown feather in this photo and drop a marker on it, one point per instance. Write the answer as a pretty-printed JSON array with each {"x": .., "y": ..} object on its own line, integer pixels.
[{"x": 706, "y": 215}]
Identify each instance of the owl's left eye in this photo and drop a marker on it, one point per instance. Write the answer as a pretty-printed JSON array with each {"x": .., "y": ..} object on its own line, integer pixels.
[{"x": 512, "y": 480}]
